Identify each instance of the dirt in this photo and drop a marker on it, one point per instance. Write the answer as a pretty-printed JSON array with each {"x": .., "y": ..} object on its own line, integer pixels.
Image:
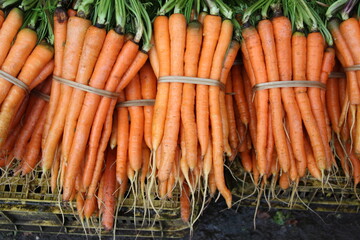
[{"x": 218, "y": 222}]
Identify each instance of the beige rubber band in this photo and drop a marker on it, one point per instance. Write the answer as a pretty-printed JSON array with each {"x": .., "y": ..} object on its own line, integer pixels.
[
  {"x": 86, "y": 88},
  {"x": 283, "y": 84},
  {"x": 41, "y": 95},
  {"x": 337, "y": 75},
  {"x": 15, "y": 81},
  {"x": 136, "y": 103},
  {"x": 193, "y": 80},
  {"x": 352, "y": 68}
]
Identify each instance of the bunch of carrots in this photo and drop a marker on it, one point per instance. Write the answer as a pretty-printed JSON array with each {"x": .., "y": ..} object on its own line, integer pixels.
[{"x": 103, "y": 120}]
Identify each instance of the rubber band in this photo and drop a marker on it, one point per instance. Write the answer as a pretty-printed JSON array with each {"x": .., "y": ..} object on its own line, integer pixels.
[
  {"x": 86, "y": 88},
  {"x": 337, "y": 75},
  {"x": 192, "y": 80},
  {"x": 283, "y": 84},
  {"x": 41, "y": 95},
  {"x": 14, "y": 81},
  {"x": 136, "y": 103},
  {"x": 352, "y": 68}
]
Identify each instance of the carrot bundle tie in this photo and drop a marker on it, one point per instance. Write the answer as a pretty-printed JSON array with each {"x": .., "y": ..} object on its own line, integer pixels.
[
  {"x": 15, "y": 81},
  {"x": 355, "y": 67},
  {"x": 136, "y": 103},
  {"x": 87, "y": 88},
  {"x": 281, "y": 84},
  {"x": 192, "y": 80},
  {"x": 41, "y": 95},
  {"x": 337, "y": 75}
]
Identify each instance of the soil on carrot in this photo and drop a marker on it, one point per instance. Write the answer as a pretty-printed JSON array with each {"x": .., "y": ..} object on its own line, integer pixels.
[{"x": 217, "y": 222}]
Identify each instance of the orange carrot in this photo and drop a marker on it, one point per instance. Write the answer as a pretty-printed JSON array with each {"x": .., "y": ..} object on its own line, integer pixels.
[
  {"x": 93, "y": 43},
  {"x": 233, "y": 137},
  {"x": 60, "y": 29},
  {"x": 24, "y": 44},
  {"x": 148, "y": 91},
  {"x": 191, "y": 59},
  {"x": 76, "y": 31},
  {"x": 8, "y": 31},
  {"x": 177, "y": 32},
  {"x": 162, "y": 44},
  {"x": 211, "y": 32},
  {"x": 123, "y": 142}
]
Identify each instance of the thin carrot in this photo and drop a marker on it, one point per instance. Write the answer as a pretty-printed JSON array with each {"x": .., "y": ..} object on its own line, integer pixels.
[
  {"x": 211, "y": 32},
  {"x": 148, "y": 91},
  {"x": 20, "y": 51},
  {"x": 33, "y": 147},
  {"x": 113, "y": 137},
  {"x": 8, "y": 31},
  {"x": 55, "y": 168},
  {"x": 191, "y": 59},
  {"x": 177, "y": 32},
  {"x": 123, "y": 142},
  {"x": 185, "y": 203},
  {"x": 60, "y": 29},
  {"x": 233, "y": 137},
  {"x": 215, "y": 112},
  {"x": 154, "y": 59},
  {"x": 162, "y": 44},
  {"x": 311, "y": 162},
  {"x": 44, "y": 75},
  {"x": 108, "y": 211},
  {"x": 253, "y": 44}
]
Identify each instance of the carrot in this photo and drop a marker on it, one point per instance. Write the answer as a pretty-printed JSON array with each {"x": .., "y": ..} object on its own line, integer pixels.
[
  {"x": 284, "y": 181},
  {"x": 185, "y": 204},
  {"x": 312, "y": 165},
  {"x": 20, "y": 51},
  {"x": 43, "y": 75},
  {"x": 123, "y": 142},
  {"x": 162, "y": 44},
  {"x": 355, "y": 165},
  {"x": 55, "y": 168},
  {"x": 250, "y": 105},
  {"x": 90, "y": 206},
  {"x": 299, "y": 43},
  {"x": 238, "y": 87},
  {"x": 30, "y": 121},
  {"x": 101, "y": 153},
  {"x": 154, "y": 59},
  {"x": 212, "y": 183},
  {"x": 342, "y": 157},
  {"x": 60, "y": 29},
  {"x": 215, "y": 112},
  {"x": 233, "y": 137},
  {"x": 341, "y": 45},
  {"x": 266, "y": 33},
  {"x": 93, "y": 43},
  {"x": 333, "y": 103},
  {"x": 123, "y": 61},
  {"x": 328, "y": 63},
  {"x": 109, "y": 190},
  {"x": 113, "y": 137},
  {"x": 8, "y": 31},
  {"x": 76, "y": 31},
  {"x": 41, "y": 55},
  {"x": 247, "y": 63},
  {"x": 145, "y": 166},
  {"x": 33, "y": 147},
  {"x": 228, "y": 62},
  {"x": 2, "y": 18},
  {"x": 177, "y": 31},
  {"x": 148, "y": 91},
  {"x": 211, "y": 32},
  {"x": 136, "y": 65},
  {"x": 10, "y": 142},
  {"x": 256, "y": 173},
  {"x": 357, "y": 131},
  {"x": 315, "y": 50},
  {"x": 246, "y": 161},
  {"x": 191, "y": 59},
  {"x": 80, "y": 204},
  {"x": 342, "y": 92},
  {"x": 253, "y": 44},
  {"x": 270, "y": 144},
  {"x": 20, "y": 113},
  {"x": 133, "y": 92}
]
